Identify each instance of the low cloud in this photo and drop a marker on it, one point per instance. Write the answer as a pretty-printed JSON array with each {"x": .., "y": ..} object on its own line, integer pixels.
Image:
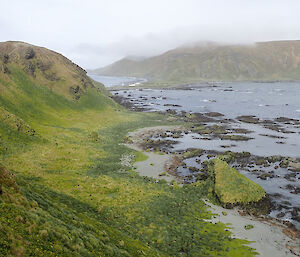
[{"x": 94, "y": 33}]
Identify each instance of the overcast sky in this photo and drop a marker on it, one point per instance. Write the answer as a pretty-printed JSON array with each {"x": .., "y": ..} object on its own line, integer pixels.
[{"x": 94, "y": 33}]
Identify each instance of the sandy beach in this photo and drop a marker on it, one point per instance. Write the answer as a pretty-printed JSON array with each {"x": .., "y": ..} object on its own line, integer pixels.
[
  {"x": 155, "y": 163},
  {"x": 268, "y": 237}
]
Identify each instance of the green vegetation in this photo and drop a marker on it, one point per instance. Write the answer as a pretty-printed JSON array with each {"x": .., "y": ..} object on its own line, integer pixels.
[
  {"x": 231, "y": 187},
  {"x": 139, "y": 157},
  {"x": 70, "y": 195},
  {"x": 41, "y": 222},
  {"x": 192, "y": 153},
  {"x": 249, "y": 226},
  {"x": 213, "y": 62}
]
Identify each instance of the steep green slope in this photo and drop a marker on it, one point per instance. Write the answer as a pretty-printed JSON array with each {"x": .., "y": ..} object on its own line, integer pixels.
[
  {"x": 45, "y": 127},
  {"x": 266, "y": 61},
  {"x": 70, "y": 195}
]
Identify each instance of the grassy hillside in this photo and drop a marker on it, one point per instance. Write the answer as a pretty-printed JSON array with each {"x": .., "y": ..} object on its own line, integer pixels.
[
  {"x": 69, "y": 195},
  {"x": 266, "y": 61}
]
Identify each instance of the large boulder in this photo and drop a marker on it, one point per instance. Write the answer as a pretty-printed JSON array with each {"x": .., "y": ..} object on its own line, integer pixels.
[{"x": 231, "y": 187}]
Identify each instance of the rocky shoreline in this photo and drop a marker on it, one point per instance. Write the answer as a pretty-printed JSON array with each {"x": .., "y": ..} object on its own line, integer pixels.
[
  {"x": 217, "y": 134},
  {"x": 275, "y": 236},
  {"x": 190, "y": 165},
  {"x": 262, "y": 149}
]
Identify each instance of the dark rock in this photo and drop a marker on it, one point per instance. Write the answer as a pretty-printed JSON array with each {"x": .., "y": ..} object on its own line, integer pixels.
[
  {"x": 173, "y": 105},
  {"x": 284, "y": 164},
  {"x": 282, "y": 119},
  {"x": 295, "y": 211},
  {"x": 234, "y": 137},
  {"x": 272, "y": 136},
  {"x": 75, "y": 91},
  {"x": 199, "y": 117},
  {"x": 286, "y": 202},
  {"x": 248, "y": 119},
  {"x": 294, "y": 166},
  {"x": 5, "y": 58},
  {"x": 286, "y": 120},
  {"x": 264, "y": 176},
  {"x": 193, "y": 169},
  {"x": 29, "y": 53},
  {"x": 30, "y": 69},
  {"x": 241, "y": 131},
  {"x": 275, "y": 158},
  {"x": 296, "y": 218},
  {"x": 202, "y": 176},
  {"x": 214, "y": 114},
  {"x": 293, "y": 189},
  {"x": 276, "y": 127},
  {"x": 261, "y": 161},
  {"x": 280, "y": 215},
  {"x": 169, "y": 111},
  {"x": 43, "y": 66},
  {"x": 276, "y": 195}
]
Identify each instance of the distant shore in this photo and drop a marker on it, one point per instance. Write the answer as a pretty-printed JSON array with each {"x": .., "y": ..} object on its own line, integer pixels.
[{"x": 140, "y": 83}]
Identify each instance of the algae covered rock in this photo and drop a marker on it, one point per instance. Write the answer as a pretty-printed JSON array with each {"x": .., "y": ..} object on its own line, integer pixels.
[{"x": 231, "y": 187}]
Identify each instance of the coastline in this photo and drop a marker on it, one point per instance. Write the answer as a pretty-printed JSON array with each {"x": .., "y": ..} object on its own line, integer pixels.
[
  {"x": 268, "y": 236},
  {"x": 186, "y": 85},
  {"x": 155, "y": 163}
]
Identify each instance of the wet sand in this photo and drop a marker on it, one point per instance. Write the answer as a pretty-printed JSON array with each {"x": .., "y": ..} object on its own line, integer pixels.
[
  {"x": 269, "y": 239},
  {"x": 156, "y": 163}
]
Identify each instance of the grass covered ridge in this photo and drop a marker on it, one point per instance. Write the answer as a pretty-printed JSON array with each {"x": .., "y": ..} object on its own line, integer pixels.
[
  {"x": 231, "y": 187},
  {"x": 214, "y": 62}
]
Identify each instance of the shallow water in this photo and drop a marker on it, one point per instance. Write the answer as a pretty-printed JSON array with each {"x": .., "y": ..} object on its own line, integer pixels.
[
  {"x": 260, "y": 144},
  {"x": 276, "y": 185},
  {"x": 110, "y": 81},
  {"x": 264, "y": 100}
]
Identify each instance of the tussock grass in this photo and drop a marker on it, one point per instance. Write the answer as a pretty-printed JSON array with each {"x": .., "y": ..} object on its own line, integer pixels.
[
  {"x": 231, "y": 187},
  {"x": 74, "y": 198}
]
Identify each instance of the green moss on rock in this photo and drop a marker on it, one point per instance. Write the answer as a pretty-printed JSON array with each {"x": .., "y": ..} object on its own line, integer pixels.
[{"x": 231, "y": 187}]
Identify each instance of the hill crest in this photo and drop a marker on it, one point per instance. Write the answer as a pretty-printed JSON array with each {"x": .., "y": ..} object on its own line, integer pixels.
[
  {"x": 262, "y": 61},
  {"x": 46, "y": 66}
]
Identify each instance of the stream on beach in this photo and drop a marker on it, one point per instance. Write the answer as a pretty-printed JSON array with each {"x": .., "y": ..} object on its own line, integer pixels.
[{"x": 261, "y": 119}]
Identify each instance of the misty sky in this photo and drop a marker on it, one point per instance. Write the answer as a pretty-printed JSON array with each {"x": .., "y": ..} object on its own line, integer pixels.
[{"x": 94, "y": 33}]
